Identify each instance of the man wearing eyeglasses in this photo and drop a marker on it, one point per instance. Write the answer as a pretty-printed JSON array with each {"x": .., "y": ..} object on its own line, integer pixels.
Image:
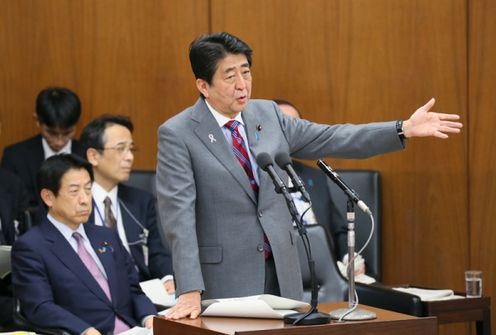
[
  {"x": 108, "y": 145},
  {"x": 57, "y": 113}
]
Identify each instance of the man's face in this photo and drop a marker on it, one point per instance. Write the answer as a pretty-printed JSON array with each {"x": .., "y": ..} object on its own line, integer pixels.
[
  {"x": 114, "y": 163},
  {"x": 57, "y": 137},
  {"x": 231, "y": 85},
  {"x": 72, "y": 205}
]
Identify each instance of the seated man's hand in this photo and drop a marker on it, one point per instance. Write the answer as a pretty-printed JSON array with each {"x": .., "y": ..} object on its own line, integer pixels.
[
  {"x": 188, "y": 304},
  {"x": 149, "y": 323},
  {"x": 170, "y": 287},
  {"x": 92, "y": 331}
]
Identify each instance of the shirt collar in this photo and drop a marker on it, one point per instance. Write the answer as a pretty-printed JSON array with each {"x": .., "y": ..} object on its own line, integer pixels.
[
  {"x": 65, "y": 230},
  {"x": 99, "y": 194},
  {"x": 49, "y": 152},
  {"x": 221, "y": 119}
]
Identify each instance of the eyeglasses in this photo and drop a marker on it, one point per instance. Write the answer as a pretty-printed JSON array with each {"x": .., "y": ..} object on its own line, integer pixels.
[{"x": 123, "y": 149}]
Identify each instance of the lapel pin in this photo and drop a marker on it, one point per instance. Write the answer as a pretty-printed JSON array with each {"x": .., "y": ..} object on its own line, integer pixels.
[
  {"x": 105, "y": 247},
  {"x": 211, "y": 138},
  {"x": 259, "y": 127}
]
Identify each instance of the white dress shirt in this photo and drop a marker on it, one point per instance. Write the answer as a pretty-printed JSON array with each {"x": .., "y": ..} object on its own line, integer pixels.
[
  {"x": 49, "y": 152},
  {"x": 99, "y": 194}
]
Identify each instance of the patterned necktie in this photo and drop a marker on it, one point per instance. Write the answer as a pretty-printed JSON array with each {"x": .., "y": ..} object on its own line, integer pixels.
[
  {"x": 109, "y": 216},
  {"x": 93, "y": 268},
  {"x": 239, "y": 149}
]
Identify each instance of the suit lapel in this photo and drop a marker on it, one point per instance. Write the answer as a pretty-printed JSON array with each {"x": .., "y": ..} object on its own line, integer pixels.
[
  {"x": 104, "y": 250},
  {"x": 64, "y": 252},
  {"x": 209, "y": 132}
]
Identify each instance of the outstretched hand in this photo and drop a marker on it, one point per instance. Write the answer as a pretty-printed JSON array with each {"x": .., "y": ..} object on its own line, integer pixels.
[
  {"x": 187, "y": 305},
  {"x": 426, "y": 123}
]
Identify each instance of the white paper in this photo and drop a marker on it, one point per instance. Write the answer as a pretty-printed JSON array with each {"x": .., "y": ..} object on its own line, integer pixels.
[
  {"x": 258, "y": 306},
  {"x": 154, "y": 289},
  {"x": 428, "y": 294},
  {"x": 138, "y": 331},
  {"x": 5, "y": 267}
]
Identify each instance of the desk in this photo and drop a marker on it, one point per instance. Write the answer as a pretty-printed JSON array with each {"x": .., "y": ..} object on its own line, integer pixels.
[
  {"x": 387, "y": 323},
  {"x": 462, "y": 310}
]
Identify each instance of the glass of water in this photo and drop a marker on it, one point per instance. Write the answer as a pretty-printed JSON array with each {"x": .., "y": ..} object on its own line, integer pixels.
[{"x": 473, "y": 283}]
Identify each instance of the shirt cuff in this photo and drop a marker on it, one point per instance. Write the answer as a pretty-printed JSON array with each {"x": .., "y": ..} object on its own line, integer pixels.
[
  {"x": 167, "y": 278},
  {"x": 143, "y": 321}
]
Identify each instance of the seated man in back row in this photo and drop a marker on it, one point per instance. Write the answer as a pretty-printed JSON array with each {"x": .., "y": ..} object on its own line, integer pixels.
[
  {"x": 108, "y": 145},
  {"x": 70, "y": 275},
  {"x": 57, "y": 113}
]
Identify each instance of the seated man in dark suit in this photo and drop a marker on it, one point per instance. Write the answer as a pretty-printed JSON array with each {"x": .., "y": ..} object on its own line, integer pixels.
[
  {"x": 71, "y": 275},
  {"x": 108, "y": 144},
  {"x": 13, "y": 201},
  {"x": 57, "y": 113},
  {"x": 324, "y": 210}
]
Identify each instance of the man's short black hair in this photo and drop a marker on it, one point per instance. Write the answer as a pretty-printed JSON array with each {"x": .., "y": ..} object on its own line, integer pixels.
[
  {"x": 94, "y": 132},
  {"x": 58, "y": 107},
  {"x": 54, "y": 168},
  {"x": 207, "y": 50}
]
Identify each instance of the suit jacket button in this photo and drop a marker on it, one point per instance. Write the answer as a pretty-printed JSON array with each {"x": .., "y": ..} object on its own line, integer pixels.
[{"x": 260, "y": 248}]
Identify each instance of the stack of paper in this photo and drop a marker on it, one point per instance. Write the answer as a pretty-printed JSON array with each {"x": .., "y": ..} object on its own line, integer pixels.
[
  {"x": 155, "y": 291},
  {"x": 4, "y": 260},
  {"x": 257, "y": 306}
]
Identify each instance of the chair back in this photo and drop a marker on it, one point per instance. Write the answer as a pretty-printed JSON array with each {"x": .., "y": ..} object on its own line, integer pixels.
[
  {"x": 367, "y": 184},
  {"x": 332, "y": 286},
  {"x": 143, "y": 179}
]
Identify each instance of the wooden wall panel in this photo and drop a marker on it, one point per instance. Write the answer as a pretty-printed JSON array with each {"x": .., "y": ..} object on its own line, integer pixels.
[
  {"x": 126, "y": 56},
  {"x": 482, "y": 158},
  {"x": 360, "y": 61}
]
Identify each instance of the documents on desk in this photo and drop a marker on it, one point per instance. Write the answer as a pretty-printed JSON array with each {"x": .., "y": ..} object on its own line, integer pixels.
[
  {"x": 4, "y": 260},
  {"x": 429, "y": 294},
  {"x": 265, "y": 306},
  {"x": 155, "y": 291},
  {"x": 138, "y": 331}
]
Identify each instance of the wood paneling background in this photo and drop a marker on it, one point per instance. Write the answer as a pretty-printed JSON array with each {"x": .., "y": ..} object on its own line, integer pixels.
[
  {"x": 126, "y": 56},
  {"x": 337, "y": 60}
]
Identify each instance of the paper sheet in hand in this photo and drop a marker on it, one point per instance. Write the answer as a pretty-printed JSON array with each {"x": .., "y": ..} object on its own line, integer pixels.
[
  {"x": 154, "y": 289},
  {"x": 4, "y": 260},
  {"x": 257, "y": 306},
  {"x": 428, "y": 294}
]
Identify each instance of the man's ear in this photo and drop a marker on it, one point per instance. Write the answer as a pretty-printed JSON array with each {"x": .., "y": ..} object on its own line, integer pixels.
[
  {"x": 202, "y": 86},
  {"x": 35, "y": 118},
  {"x": 92, "y": 156},
  {"x": 48, "y": 197}
]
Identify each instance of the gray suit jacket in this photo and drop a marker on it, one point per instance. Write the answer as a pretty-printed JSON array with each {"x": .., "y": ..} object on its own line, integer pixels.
[{"x": 212, "y": 219}]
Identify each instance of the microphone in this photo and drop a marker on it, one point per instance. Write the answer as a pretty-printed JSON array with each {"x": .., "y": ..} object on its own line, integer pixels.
[
  {"x": 352, "y": 195},
  {"x": 284, "y": 162},
  {"x": 267, "y": 164}
]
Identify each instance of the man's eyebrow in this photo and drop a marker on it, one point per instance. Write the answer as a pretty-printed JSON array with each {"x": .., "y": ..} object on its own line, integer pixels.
[{"x": 232, "y": 68}]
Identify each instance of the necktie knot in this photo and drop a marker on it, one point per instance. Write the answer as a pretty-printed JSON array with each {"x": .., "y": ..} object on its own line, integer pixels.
[
  {"x": 77, "y": 236},
  {"x": 232, "y": 125}
]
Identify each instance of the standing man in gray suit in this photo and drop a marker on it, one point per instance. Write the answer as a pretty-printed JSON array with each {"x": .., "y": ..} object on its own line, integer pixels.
[{"x": 230, "y": 234}]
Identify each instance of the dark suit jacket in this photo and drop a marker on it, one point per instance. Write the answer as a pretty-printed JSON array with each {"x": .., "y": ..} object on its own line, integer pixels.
[
  {"x": 24, "y": 159},
  {"x": 13, "y": 200},
  {"x": 56, "y": 290},
  {"x": 324, "y": 208},
  {"x": 138, "y": 211}
]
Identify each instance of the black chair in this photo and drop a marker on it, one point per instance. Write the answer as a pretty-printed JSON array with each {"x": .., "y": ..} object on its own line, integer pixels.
[
  {"x": 332, "y": 286},
  {"x": 367, "y": 184},
  {"x": 143, "y": 179}
]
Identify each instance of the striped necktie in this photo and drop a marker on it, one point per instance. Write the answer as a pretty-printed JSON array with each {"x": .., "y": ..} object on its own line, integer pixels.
[{"x": 241, "y": 153}]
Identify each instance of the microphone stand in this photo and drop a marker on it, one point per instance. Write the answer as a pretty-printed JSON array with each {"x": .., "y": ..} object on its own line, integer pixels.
[
  {"x": 313, "y": 316},
  {"x": 352, "y": 313}
]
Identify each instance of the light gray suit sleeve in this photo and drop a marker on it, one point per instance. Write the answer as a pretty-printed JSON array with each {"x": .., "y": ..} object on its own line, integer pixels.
[{"x": 176, "y": 193}]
